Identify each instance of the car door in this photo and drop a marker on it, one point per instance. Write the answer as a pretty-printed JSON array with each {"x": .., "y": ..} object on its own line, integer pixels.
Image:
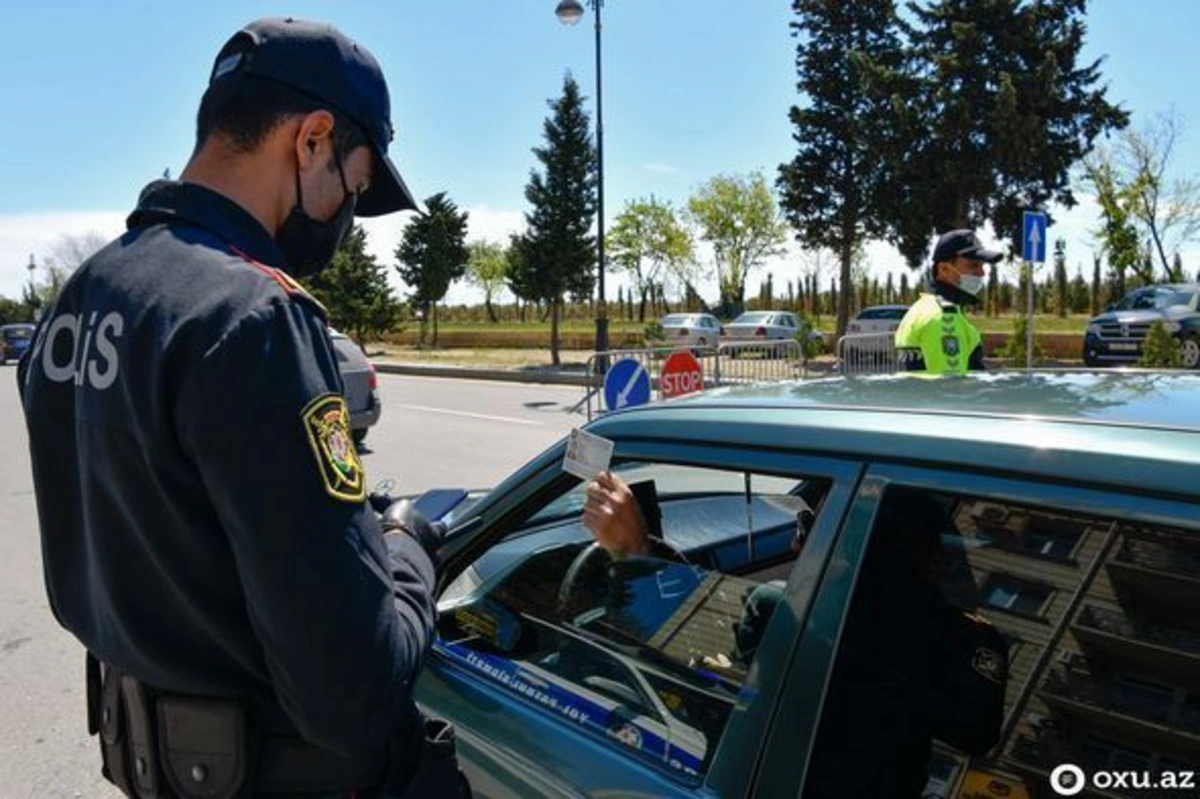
[
  {"x": 679, "y": 717},
  {"x": 1090, "y": 593}
]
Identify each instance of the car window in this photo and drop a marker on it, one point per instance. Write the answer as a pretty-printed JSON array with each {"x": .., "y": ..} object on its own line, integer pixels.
[
  {"x": 647, "y": 654},
  {"x": 18, "y": 333},
  {"x": 675, "y": 320},
  {"x": 1061, "y": 638},
  {"x": 754, "y": 318}
]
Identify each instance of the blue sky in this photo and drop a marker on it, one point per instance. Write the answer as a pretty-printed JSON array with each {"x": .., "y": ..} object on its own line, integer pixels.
[{"x": 100, "y": 98}]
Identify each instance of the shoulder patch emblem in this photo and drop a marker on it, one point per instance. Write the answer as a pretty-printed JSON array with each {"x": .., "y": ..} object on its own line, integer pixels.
[
  {"x": 327, "y": 423},
  {"x": 988, "y": 664},
  {"x": 950, "y": 345}
]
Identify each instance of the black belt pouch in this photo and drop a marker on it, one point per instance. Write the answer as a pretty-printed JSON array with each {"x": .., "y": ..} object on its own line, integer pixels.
[{"x": 205, "y": 747}]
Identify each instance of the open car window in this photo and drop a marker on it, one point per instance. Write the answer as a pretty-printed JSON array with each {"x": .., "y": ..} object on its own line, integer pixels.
[
  {"x": 987, "y": 642},
  {"x": 648, "y": 654}
]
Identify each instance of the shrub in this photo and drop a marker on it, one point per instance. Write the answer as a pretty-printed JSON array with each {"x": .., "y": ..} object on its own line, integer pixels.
[
  {"x": 1160, "y": 349},
  {"x": 1014, "y": 348}
]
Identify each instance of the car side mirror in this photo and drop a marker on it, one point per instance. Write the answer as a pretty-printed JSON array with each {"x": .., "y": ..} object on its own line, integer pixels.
[{"x": 1112, "y": 306}]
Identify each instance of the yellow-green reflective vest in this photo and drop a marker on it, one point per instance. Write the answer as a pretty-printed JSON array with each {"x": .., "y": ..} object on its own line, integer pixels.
[{"x": 938, "y": 331}]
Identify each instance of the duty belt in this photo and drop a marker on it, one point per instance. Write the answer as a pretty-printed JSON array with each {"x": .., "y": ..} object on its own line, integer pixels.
[{"x": 160, "y": 745}]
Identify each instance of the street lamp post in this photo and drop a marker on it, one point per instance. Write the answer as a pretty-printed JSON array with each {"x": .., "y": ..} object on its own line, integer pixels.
[{"x": 570, "y": 12}]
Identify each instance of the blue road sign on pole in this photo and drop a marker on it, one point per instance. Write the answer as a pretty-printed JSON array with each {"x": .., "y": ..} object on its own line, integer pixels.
[
  {"x": 1033, "y": 237},
  {"x": 627, "y": 384}
]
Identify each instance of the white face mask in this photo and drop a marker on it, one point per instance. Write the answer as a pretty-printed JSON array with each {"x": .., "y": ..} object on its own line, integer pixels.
[{"x": 971, "y": 284}]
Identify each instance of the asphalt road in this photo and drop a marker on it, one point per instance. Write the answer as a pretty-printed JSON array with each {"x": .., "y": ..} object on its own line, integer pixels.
[{"x": 434, "y": 432}]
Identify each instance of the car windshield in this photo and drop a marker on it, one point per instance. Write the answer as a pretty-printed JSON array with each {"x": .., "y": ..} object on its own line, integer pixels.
[
  {"x": 676, "y": 320},
  {"x": 18, "y": 333},
  {"x": 1155, "y": 299},
  {"x": 882, "y": 313},
  {"x": 754, "y": 318}
]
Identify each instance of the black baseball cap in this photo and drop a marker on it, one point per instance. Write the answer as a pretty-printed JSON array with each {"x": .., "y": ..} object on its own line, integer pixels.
[
  {"x": 963, "y": 243},
  {"x": 316, "y": 59}
]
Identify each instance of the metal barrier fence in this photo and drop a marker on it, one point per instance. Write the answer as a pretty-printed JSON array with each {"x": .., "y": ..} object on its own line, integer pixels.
[
  {"x": 730, "y": 363},
  {"x": 868, "y": 354}
]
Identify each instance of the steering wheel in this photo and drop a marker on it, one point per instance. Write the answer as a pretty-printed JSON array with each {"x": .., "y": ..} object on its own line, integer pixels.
[{"x": 589, "y": 580}]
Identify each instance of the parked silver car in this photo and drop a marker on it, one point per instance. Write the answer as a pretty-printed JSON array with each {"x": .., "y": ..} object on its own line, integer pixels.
[
  {"x": 691, "y": 329},
  {"x": 770, "y": 326},
  {"x": 361, "y": 385}
]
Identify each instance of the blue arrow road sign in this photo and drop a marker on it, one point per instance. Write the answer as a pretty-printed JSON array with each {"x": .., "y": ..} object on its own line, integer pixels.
[
  {"x": 1033, "y": 237},
  {"x": 627, "y": 384}
]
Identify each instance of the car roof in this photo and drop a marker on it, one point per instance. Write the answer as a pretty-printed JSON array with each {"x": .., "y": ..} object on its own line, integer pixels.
[{"x": 1135, "y": 428}]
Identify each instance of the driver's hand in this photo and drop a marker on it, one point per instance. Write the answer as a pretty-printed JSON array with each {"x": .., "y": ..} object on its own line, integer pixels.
[{"x": 612, "y": 514}]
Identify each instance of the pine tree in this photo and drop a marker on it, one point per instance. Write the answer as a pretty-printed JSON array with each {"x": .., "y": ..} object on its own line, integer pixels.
[
  {"x": 558, "y": 247},
  {"x": 831, "y": 191},
  {"x": 905, "y": 297},
  {"x": 355, "y": 292},
  {"x": 1094, "y": 304},
  {"x": 1080, "y": 297},
  {"x": 432, "y": 255},
  {"x": 1060, "y": 277},
  {"x": 997, "y": 89}
]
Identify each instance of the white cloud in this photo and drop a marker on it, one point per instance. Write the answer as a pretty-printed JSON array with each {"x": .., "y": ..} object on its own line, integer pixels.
[{"x": 22, "y": 235}]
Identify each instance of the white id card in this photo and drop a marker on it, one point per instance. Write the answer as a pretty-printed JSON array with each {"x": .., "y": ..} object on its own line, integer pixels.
[{"x": 587, "y": 454}]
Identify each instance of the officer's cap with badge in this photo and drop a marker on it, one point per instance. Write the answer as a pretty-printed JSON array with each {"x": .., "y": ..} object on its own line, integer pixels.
[
  {"x": 318, "y": 60},
  {"x": 964, "y": 244}
]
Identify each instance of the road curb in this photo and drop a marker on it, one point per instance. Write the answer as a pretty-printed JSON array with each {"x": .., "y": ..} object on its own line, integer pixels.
[{"x": 474, "y": 373}]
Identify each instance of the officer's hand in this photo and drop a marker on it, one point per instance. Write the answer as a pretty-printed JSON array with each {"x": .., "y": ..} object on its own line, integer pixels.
[{"x": 403, "y": 516}]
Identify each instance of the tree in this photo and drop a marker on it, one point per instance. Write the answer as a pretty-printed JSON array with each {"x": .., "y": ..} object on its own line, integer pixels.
[
  {"x": 487, "y": 268},
  {"x": 736, "y": 214},
  {"x": 1060, "y": 277},
  {"x": 994, "y": 109},
  {"x": 558, "y": 250},
  {"x": 1079, "y": 298},
  {"x": 646, "y": 240},
  {"x": 1167, "y": 210},
  {"x": 831, "y": 191},
  {"x": 69, "y": 251},
  {"x": 355, "y": 292},
  {"x": 432, "y": 255},
  {"x": 1094, "y": 305},
  {"x": 1117, "y": 235}
]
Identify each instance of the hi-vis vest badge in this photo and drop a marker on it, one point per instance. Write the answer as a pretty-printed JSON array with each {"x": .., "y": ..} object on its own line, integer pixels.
[{"x": 328, "y": 425}]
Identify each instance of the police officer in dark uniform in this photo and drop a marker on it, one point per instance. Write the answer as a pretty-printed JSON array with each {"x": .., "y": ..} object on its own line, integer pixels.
[
  {"x": 934, "y": 335},
  {"x": 252, "y": 629}
]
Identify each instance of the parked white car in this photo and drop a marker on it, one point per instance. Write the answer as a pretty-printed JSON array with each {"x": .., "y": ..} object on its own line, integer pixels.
[
  {"x": 877, "y": 319},
  {"x": 691, "y": 329}
]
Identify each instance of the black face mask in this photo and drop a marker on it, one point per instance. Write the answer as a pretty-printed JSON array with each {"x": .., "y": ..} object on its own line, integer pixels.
[{"x": 308, "y": 244}]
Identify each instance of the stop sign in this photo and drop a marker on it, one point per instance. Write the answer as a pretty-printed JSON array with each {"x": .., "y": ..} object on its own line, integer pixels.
[{"x": 681, "y": 374}]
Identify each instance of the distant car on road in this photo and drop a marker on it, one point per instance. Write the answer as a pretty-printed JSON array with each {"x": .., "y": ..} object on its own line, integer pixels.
[
  {"x": 877, "y": 319},
  {"x": 361, "y": 385},
  {"x": 691, "y": 329},
  {"x": 1116, "y": 336},
  {"x": 14, "y": 340}
]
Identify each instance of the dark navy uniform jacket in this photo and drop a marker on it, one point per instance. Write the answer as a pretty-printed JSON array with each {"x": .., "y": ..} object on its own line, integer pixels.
[{"x": 203, "y": 528}]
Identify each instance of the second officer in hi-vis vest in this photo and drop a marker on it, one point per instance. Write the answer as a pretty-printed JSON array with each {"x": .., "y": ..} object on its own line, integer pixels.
[{"x": 934, "y": 335}]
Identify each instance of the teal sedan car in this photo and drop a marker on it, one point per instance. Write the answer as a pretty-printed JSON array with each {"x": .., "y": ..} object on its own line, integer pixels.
[{"x": 1066, "y": 525}]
